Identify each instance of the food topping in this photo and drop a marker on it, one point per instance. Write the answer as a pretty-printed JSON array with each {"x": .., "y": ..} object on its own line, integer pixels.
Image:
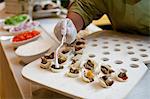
[
  {"x": 77, "y": 48},
  {"x": 74, "y": 70},
  {"x": 51, "y": 56},
  {"x": 61, "y": 59},
  {"x": 80, "y": 43},
  {"x": 89, "y": 65},
  {"x": 43, "y": 60},
  {"x": 123, "y": 76},
  {"x": 108, "y": 81},
  {"x": 89, "y": 75},
  {"x": 65, "y": 51},
  {"x": 106, "y": 69},
  {"x": 54, "y": 66}
]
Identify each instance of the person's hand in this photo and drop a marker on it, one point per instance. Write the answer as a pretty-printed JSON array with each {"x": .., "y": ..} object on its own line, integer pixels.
[{"x": 67, "y": 26}]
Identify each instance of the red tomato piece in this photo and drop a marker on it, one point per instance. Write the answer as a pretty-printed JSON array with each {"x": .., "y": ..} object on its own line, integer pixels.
[{"x": 25, "y": 36}]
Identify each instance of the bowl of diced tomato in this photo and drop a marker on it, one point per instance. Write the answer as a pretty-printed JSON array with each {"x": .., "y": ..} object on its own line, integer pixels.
[{"x": 25, "y": 37}]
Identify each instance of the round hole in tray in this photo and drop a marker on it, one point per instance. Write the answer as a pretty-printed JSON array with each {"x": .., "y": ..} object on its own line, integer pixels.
[
  {"x": 105, "y": 47},
  {"x": 105, "y": 59},
  {"x": 134, "y": 59},
  {"x": 144, "y": 55},
  {"x": 129, "y": 47},
  {"x": 138, "y": 40},
  {"x": 95, "y": 40},
  {"x": 131, "y": 53},
  {"x": 104, "y": 38},
  {"x": 127, "y": 42},
  {"x": 143, "y": 50},
  {"x": 139, "y": 44},
  {"x": 117, "y": 49},
  {"x": 115, "y": 40},
  {"x": 118, "y": 62},
  {"x": 94, "y": 45},
  {"x": 91, "y": 55},
  {"x": 134, "y": 65},
  {"x": 106, "y": 53},
  {"x": 105, "y": 42},
  {"x": 117, "y": 44}
]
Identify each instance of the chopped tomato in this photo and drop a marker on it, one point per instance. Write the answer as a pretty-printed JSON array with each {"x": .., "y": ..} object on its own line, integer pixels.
[{"x": 25, "y": 36}]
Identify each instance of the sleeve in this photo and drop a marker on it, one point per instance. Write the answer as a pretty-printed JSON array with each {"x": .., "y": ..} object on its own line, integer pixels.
[{"x": 88, "y": 9}]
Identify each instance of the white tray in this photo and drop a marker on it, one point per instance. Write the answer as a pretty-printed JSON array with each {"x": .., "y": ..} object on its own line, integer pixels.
[{"x": 76, "y": 88}]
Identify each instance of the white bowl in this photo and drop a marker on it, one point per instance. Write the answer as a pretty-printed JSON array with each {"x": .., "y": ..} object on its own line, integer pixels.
[
  {"x": 7, "y": 27},
  {"x": 16, "y": 44},
  {"x": 33, "y": 50}
]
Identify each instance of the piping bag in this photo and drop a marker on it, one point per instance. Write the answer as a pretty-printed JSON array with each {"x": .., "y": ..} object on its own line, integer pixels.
[{"x": 64, "y": 32}]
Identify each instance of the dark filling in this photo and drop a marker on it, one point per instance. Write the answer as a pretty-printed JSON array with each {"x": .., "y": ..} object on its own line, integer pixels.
[
  {"x": 61, "y": 60},
  {"x": 82, "y": 39},
  {"x": 80, "y": 43},
  {"x": 123, "y": 76},
  {"x": 89, "y": 62},
  {"x": 91, "y": 79},
  {"x": 74, "y": 71},
  {"x": 52, "y": 55},
  {"x": 104, "y": 78},
  {"x": 104, "y": 69},
  {"x": 65, "y": 51},
  {"x": 54, "y": 66},
  {"x": 107, "y": 81},
  {"x": 44, "y": 61},
  {"x": 88, "y": 67},
  {"x": 73, "y": 61},
  {"x": 78, "y": 48}
]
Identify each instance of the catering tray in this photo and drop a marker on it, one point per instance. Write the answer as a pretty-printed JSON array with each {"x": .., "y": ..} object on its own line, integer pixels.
[{"x": 120, "y": 50}]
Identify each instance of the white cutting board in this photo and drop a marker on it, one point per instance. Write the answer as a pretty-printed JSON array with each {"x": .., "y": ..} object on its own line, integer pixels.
[{"x": 130, "y": 50}]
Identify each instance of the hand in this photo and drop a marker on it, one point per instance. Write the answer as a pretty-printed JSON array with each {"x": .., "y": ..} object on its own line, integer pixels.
[{"x": 71, "y": 32}]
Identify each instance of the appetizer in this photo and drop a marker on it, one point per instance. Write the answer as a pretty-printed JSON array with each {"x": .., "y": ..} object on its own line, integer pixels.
[
  {"x": 65, "y": 49},
  {"x": 105, "y": 81},
  {"x": 55, "y": 69},
  {"x": 76, "y": 57},
  {"x": 73, "y": 72},
  {"x": 121, "y": 75},
  {"x": 62, "y": 59},
  {"x": 88, "y": 76},
  {"x": 90, "y": 65},
  {"x": 49, "y": 56},
  {"x": 78, "y": 49},
  {"x": 106, "y": 69},
  {"x": 44, "y": 63},
  {"x": 80, "y": 43}
]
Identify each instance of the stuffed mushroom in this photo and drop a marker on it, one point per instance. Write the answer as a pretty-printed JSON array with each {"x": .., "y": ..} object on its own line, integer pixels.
[
  {"x": 88, "y": 76},
  {"x": 44, "y": 63},
  {"x": 106, "y": 69},
  {"x": 121, "y": 75},
  {"x": 105, "y": 81}
]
